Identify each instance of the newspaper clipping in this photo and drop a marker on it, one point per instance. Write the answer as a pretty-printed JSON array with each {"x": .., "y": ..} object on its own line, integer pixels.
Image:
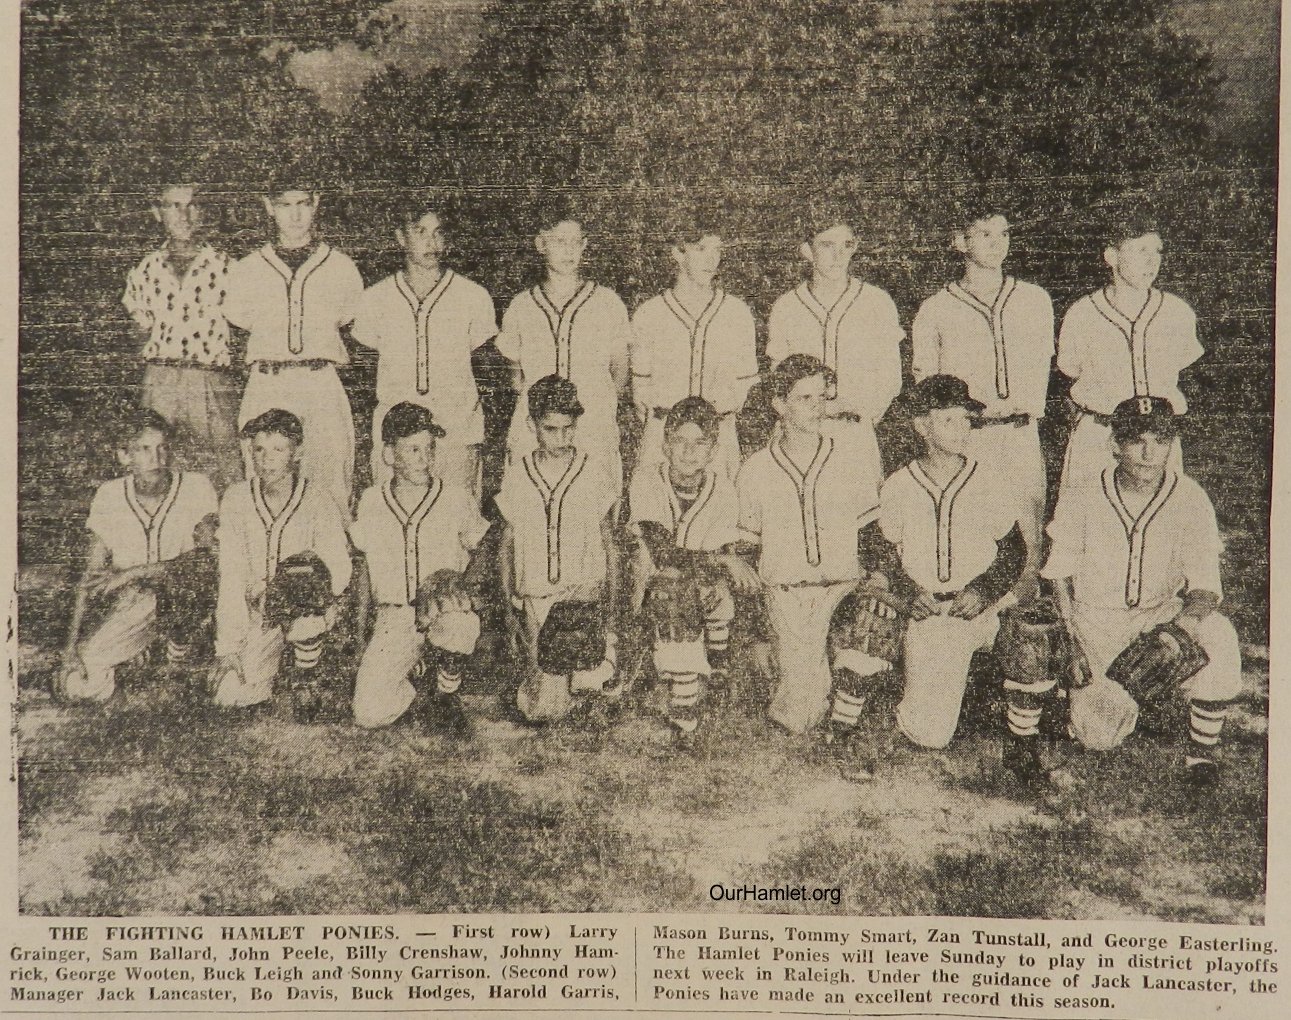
[{"x": 609, "y": 506}]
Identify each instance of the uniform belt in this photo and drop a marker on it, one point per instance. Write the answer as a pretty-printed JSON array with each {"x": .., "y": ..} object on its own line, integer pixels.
[
  {"x": 851, "y": 416},
  {"x": 1016, "y": 420},
  {"x": 661, "y": 413},
  {"x": 1102, "y": 419},
  {"x": 186, "y": 363},
  {"x": 945, "y": 596},
  {"x": 312, "y": 364},
  {"x": 819, "y": 584}
]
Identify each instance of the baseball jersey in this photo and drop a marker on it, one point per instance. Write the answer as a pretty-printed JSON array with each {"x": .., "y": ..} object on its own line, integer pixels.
[
  {"x": 182, "y": 314},
  {"x": 1003, "y": 350},
  {"x": 858, "y": 336},
  {"x": 945, "y": 536},
  {"x": 253, "y": 541},
  {"x": 133, "y": 535},
  {"x": 293, "y": 315},
  {"x": 708, "y": 524},
  {"x": 424, "y": 346},
  {"x": 1117, "y": 559},
  {"x": 675, "y": 355},
  {"x": 556, "y": 528},
  {"x": 1110, "y": 358},
  {"x": 807, "y": 517},
  {"x": 405, "y": 545}
]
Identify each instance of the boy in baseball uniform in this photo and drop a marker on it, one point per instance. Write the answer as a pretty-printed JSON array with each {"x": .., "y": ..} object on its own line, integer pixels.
[
  {"x": 174, "y": 296},
  {"x": 276, "y": 514},
  {"x": 1138, "y": 549},
  {"x": 293, "y": 296},
  {"x": 576, "y": 329},
  {"x": 693, "y": 340},
  {"x": 1128, "y": 339},
  {"x": 557, "y": 543},
  {"x": 687, "y": 515},
  {"x": 851, "y": 326},
  {"x": 139, "y": 525},
  {"x": 424, "y": 322},
  {"x": 804, "y": 498},
  {"x": 995, "y": 332},
  {"x": 409, "y": 527}
]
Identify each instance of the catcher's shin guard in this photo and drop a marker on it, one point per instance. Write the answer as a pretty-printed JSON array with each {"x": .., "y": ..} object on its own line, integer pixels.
[{"x": 1205, "y": 728}]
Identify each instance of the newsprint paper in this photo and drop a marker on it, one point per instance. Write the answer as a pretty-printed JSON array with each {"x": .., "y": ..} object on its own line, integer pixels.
[{"x": 608, "y": 506}]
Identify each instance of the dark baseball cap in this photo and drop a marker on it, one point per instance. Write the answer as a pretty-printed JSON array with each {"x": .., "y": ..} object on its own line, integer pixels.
[
  {"x": 407, "y": 419},
  {"x": 1138, "y": 415},
  {"x": 938, "y": 392}
]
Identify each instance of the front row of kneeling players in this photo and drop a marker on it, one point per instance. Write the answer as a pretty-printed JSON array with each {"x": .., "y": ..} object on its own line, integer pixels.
[{"x": 858, "y": 579}]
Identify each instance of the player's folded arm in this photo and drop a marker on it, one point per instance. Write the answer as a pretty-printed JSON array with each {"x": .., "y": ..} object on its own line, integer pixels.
[{"x": 997, "y": 580}]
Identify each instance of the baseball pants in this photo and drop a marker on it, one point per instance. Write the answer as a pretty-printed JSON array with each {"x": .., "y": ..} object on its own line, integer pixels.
[
  {"x": 456, "y": 463},
  {"x": 258, "y": 660},
  {"x": 1013, "y": 456},
  {"x": 800, "y": 618},
  {"x": 318, "y": 399},
  {"x": 382, "y": 692},
  {"x": 127, "y": 630},
  {"x": 202, "y": 404},
  {"x": 726, "y": 456},
  {"x": 1090, "y": 450}
]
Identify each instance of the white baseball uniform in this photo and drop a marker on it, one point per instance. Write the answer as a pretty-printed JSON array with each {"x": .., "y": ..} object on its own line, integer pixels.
[
  {"x": 1127, "y": 572},
  {"x": 404, "y": 546},
  {"x": 676, "y": 355},
  {"x": 806, "y": 518},
  {"x": 424, "y": 357},
  {"x": 294, "y": 320},
  {"x": 135, "y": 537},
  {"x": 1110, "y": 358},
  {"x": 253, "y": 541},
  {"x": 1004, "y": 352},
  {"x": 581, "y": 342},
  {"x": 946, "y": 537}
]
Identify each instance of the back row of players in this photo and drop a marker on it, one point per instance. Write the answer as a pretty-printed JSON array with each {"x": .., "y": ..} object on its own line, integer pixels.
[{"x": 983, "y": 347}]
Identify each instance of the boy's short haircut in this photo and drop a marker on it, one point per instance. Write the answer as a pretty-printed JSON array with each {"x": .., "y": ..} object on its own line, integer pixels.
[
  {"x": 554, "y": 210},
  {"x": 553, "y": 394},
  {"x": 694, "y": 410},
  {"x": 408, "y": 419},
  {"x": 136, "y": 422},
  {"x": 690, "y": 226},
  {"x": 415, "y": 206},
  {"x": 975, "y": 207},
  {"x": 1128, "y": 223},
  {"x": 814, "y": 221},
  {"x": 793, "y": 370},
  {"x": 278, "y": 421},
  {"x": 160, "y": 186},
  {"x": 292, "y": 178}
]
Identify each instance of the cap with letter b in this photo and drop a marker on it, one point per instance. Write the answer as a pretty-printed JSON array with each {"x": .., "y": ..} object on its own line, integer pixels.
[
  {"x": 1139, "y": 415},
  {"x": 938, "y": 392}
]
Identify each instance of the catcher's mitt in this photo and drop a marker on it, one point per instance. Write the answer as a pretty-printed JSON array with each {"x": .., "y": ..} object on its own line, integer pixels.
[
  {"x": 1156, "y": 662},
  {"x": 302, "y": 586},
  {"x": 572, "y": 638},
  {"x": 1032, "y": 646},
  {"x": 443, "y": 591},
  {"x": 674, "y": 608},
  {"x": 869, "y": 623}
]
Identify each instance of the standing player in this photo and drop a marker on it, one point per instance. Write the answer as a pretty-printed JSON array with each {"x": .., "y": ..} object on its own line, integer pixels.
[
  {"x": 558, "y": 542},
  {"x": 995, "y": 332},
  {"x": 424, "y": 322},
  {"x": 294, "y": 296},
  {"x": 1139, "y": 549},
  {"x": 573, "y": 328},
  {"x": 693, "y": 340},
  {"x": 409, "y": 527},
  {"x": 277, "y": 514},
  {"x": 803, "y": 500},
  {"x": 851, "y": 326},
  {"x": 174, "y": 296},
  {"x": 1126, "y": 340},
  {"x": 138, "y": 526}
]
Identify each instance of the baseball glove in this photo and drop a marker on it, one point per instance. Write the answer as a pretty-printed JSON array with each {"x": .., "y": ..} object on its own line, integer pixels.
[
  {"x": 443, "y": 591},
  {"x": 867, "y": 623},
  {"x": 674, "y": 608},
  {"x": 1032, "y": 646},
  {"x": 572, "y": 638},
  {"x": 302, "y": 586},
  {"x": 1156, "y": 662}
]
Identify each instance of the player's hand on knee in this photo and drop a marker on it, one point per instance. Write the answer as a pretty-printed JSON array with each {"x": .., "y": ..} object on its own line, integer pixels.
[
  {"x": 69, "y": 666},
  {"x": 968, "y": 604},
  {"x": 330, "y": 615},
  {"x": 923, "y": 605},
  {"x": 744, "y": 579},
  {"x": 1082, "y": 674}
]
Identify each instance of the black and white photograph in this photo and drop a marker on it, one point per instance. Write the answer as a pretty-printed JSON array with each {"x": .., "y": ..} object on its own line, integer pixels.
[{"x": 634, "y": 457}]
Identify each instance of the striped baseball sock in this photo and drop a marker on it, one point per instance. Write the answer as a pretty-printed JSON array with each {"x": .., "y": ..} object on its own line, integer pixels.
[
  {"x": 306, "y": 654},
  {"x": 447, "y": 682},
  {"x": 1205, "y": 726},
  {"x": 1025, "y": 705},
  {"x": 176, "y": 653},
  {"x": 848, "y": 703},
  {"x": 683, "y": 701}
]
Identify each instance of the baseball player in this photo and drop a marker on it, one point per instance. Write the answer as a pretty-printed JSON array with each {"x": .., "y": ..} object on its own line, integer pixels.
[
  {"x": 294, "y": 296},
  {"x": 139, "y": 526},
  {"x": 574, "y": 328},
  {"x": 687, "y": 516},
  {"x": 277, "y": 514},
  {"x": 803, "y": 500},
  {"x": 424, "y": 321},
  {"x": 694, "y": 340},
  {"x": 956, "y": 553},
  {"x": 1126, "y": 340},
  {"x": 174, "y": 296},
  {"x": 1141, "y": 548},
  {"x": 409, "y": 528},
  {"x": 850, "y": 325},
  {"x": 995, "y": 332},
  {"x": 557, "y": 544}
]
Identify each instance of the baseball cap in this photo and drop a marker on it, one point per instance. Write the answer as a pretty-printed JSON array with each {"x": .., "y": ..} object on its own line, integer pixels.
[
  {"x": 407, "y": 419},
  {"x": 938, "y": 392},
  {"x": 1133, "y": 417}
]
